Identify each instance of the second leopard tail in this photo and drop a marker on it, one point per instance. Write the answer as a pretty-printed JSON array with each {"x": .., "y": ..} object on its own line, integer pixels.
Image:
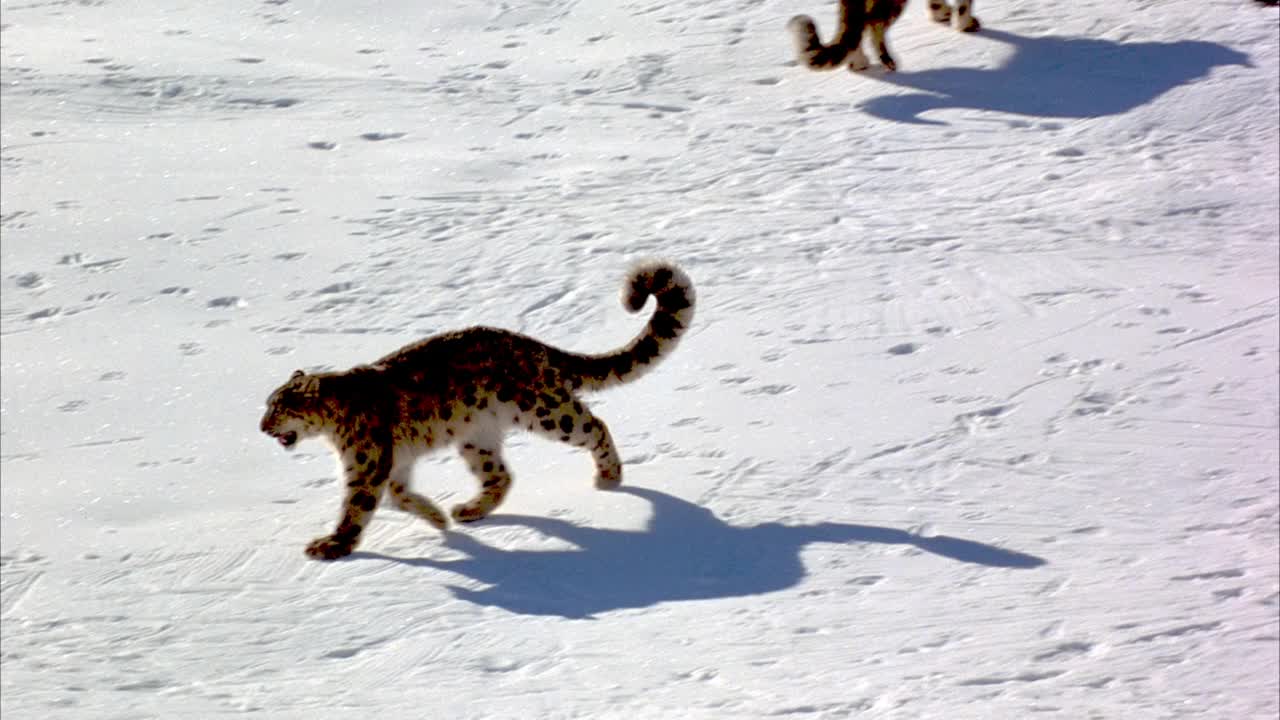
[
  {"x": 674, "y": 293},
  {"x": 809, "y": 47}
]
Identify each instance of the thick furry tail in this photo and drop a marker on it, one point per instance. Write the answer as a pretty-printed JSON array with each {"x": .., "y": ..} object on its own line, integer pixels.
[
  {"x": 809, "y": 47},
  {"x": 674, "y": 293}
]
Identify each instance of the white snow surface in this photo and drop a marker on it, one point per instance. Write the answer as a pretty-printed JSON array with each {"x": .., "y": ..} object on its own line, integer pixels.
[{"x": 977, "y": 418}]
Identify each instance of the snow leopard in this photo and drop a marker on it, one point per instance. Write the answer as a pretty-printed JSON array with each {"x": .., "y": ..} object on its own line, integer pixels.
[{"x": 466, "y": 388}]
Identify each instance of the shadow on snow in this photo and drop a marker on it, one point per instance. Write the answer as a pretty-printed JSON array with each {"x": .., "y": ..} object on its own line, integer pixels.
[
  {"x": 686, "y": 553},
  {"x": 1067, "y": 77}
]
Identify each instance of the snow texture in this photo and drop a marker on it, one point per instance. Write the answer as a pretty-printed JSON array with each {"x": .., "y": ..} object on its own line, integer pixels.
[{"x": 978, "y": 417}]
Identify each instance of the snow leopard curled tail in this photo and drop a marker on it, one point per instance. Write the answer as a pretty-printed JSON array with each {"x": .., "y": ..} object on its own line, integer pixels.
[
  {"x": 674, "y": 293},
  {"x": 809, "y": 47}
]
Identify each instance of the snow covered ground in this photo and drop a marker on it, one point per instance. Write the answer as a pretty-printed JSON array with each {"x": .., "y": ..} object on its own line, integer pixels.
[{"x": 978, "y": 418}]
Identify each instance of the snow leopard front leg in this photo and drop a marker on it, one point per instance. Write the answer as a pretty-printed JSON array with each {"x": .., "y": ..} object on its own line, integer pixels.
[{"x": 366, "y": 466}]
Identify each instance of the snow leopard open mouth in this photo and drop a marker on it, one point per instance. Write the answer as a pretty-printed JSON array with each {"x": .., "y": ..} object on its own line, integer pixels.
[{"x": 287, "y": 439}]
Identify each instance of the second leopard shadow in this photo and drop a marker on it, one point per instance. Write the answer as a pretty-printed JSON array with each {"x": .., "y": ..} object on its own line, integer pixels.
[{"x": 1053, "y": 77}]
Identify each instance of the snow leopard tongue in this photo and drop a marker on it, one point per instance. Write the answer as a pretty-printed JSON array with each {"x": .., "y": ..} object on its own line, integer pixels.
[{"x": 288, "y": 439}]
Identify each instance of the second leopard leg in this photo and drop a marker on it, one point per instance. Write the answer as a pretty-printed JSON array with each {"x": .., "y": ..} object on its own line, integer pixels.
[
  {"x": 878, "y": 32},
  {"x": 940, "y": 12},
  {"x": 965, "y": 21}
]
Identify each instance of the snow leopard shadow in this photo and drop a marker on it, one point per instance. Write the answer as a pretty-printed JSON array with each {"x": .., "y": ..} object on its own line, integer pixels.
[
  {"x": 685, "y": 553},
  {"x": 1061, "y": 77}
]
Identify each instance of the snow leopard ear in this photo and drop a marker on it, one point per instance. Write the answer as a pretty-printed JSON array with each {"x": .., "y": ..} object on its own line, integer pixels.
[{"x": 296, "y": 374}]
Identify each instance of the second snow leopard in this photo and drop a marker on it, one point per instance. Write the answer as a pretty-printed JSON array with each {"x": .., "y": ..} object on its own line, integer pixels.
[{"x": 875, "y": 17}]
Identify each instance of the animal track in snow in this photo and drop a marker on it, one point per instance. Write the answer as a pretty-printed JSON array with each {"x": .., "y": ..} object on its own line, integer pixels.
[
  {"x": 1098, "y": 402},
  {"x": 1214, "y": 575},
  {"x": 102, "y": 265},
  {"x": 19, "y": 573},
  {"x": 985, "y": 417},
  {"x": 865, "y": 580},
  {"x": 339, "y": 287},
  {"x": 773, "y": 389},
  {"x": 1025, "y": 677},
  {"x": 1177, "y": 632},
  {"x": 15, "y": 220},
  {"x": 44, "y": 314},
  {"x": 29, "y": 281},
  {"x": 263, "y": 102},
  {"x": 1195, "y": 296},
  {"x": 1065, "y": 650}
]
